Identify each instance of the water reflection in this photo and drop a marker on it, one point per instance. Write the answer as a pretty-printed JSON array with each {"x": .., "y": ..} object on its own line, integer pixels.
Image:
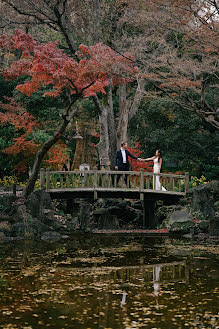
[{"x": 122, "y": 283}]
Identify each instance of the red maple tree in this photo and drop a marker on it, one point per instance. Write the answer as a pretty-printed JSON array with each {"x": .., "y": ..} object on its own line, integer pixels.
[{"x": 45, "y": 64}]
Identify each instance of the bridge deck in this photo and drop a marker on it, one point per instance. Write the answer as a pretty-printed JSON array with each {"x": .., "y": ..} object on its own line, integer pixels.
[{"x": 115, "y": 184}]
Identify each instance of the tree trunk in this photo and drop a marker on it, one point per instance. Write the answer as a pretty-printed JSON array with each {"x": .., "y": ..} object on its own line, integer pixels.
[
  {"x": 96, "y": 21},
  {"x": 103, "y": 145},
  {"x": 45, "y": 148},
  {"x": 107, "y": 144},
  {"x": 110, "y": 137},
  {"x": 111, "y": 128},
  {"x": 124, "y": 106}
]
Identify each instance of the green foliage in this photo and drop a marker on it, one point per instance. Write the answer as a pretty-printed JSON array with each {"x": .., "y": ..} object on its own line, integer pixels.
[
  {"x": 181, "y": 135},
  {"x": 40, "y": 136},
  {"x": 43, "y": 108}
]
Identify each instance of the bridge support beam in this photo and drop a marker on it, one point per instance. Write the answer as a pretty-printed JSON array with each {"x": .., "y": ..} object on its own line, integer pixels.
[{"x": 148, "y": 213}]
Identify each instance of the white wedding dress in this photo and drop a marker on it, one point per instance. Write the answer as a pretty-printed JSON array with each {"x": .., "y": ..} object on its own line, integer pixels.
[{"x": 156, "y": 179}]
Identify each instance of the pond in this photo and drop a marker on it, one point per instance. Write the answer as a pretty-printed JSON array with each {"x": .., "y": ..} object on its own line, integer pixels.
[{"x": 109, "y": 281}]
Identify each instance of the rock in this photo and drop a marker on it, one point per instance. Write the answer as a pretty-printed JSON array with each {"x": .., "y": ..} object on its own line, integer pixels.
[
  {"x": 73, "y": 224},
  {"x": 188, "y": 236},
  {"x": 84, "y": 215},
  {"x": 114, "y": 210},
  {"x": 180, "y": 221},
  {"x": 203, "y": 225},
  {"x": 65, "y": 236},
  {"x": 21, "y": 213},
  {"x": 180, "y": 216},
  {"x": 100, "y": 211},
  {"x": 33, "y": 229},
  {"x": 6, "y": 203},
  {"x": 51, "y": 236},
  {"x": 40, "y": 206},
  {"x": 2, "y": 235},
  {"x": 108, "y": 221},
  {"x": 5, "y": 227},
  {"x": 204, "y": 197},
  {"x": 87, "y": 230},
  {"x": 137, "y": 205}
]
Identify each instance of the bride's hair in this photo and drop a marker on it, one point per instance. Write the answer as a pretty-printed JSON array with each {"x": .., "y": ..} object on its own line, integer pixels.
[{"x": 159, "y": 155}]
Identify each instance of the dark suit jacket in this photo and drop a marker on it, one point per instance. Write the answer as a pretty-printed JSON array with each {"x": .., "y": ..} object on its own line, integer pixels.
[{"x": 119, "y": 159}]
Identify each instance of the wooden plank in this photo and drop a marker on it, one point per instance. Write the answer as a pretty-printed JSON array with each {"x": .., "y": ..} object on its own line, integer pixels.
[
  {"x": 141, "y": 187},
  {"x": 47, "y": 179},
  {"x": 134, "y": 182},
  {"x": 128, "y": 181},
  {"x": 115, "y": 181},
  {"x": 113, "y": 172},
  {"x": 41, "y": 178},
  {"x": 186, "y": 181},
  {"x": 61, "y": 181},
  {"x": 147, "y": 182},
  {"x": 73, "y": 180},
  {"x": 105, "y": 189},
  {"x": 67, "y": 181},
  {"x": 85, "y": 179},
  {"x": 95, "y": 184},
  {"x": 108, "y": 180},
  {"x": 171, "y": 184},
  {"x": 55, "y": 180},
  {"x": 122, "y": 180}
]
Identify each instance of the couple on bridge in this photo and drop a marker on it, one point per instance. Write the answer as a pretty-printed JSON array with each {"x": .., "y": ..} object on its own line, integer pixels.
[{"x": 122, "y": 164}]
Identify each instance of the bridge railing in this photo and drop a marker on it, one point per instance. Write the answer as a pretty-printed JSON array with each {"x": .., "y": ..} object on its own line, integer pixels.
[{"x": 108, "y": 179}]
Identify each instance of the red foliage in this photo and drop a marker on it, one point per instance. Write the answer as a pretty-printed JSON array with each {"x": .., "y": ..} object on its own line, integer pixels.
[
  {"x": 24, "y": 124},
  {"x": 137, "y": 165},
  {"x": 14, "y": 113},
  {"x": 46, "y": 64},
  {"x": 57, "y": 155},
  {"x": 21, "y": 145}
]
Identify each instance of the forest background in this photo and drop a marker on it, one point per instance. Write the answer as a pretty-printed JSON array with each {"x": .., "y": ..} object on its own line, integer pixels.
[{"x": 152, "y": 78}]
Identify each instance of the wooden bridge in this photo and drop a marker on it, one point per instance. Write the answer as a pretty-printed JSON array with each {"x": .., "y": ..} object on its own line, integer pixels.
[
  {"x": 112, "y": 184},
  {"x": 116, "y": 184}
]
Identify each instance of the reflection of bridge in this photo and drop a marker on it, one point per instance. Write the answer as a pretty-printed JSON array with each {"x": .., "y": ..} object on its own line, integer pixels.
[
  {"x": 105, "y": 184},
  {"x": 169, "y": 272},
  {"x": 126, "y": 286}
]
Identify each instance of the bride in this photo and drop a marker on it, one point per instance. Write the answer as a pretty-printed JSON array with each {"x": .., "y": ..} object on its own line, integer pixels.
[{"x": 157, "y": 158}]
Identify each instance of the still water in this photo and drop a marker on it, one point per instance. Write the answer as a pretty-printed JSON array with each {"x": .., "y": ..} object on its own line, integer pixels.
[{"x": 109, "y": 281}]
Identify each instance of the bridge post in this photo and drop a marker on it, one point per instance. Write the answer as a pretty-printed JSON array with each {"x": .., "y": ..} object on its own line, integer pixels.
[
  {"x": 186, "y": 181},
  {"x": 142, "y": 184},
  {"x": 41, "y": 178},
  {"x": 95, "y": 183},
  {"x": 143, "y": 209},
  {"x": 47, "y": 179},
  {"x": 148, "y": 213}
]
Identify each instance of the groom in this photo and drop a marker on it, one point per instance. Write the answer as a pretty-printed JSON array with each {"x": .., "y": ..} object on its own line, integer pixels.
[{"x": 121, "y": 160}]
